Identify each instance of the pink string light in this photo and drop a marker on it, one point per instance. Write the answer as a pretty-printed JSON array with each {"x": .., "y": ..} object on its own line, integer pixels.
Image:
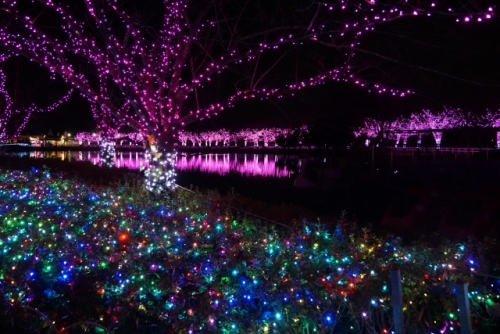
[
  {"x": 9, "y": 110},
  {"x": 426, "y": 122},
  {"x": 144, "y": 82}
]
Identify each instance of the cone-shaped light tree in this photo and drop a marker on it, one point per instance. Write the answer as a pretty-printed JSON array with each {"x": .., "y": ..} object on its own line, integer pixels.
[{"x": 155, "y": 65}]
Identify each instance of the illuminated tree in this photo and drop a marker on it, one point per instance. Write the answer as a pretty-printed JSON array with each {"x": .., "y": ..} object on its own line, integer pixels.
[
  {"x": 244, "y": 135},
  {"x": 82, "y": 137},
  {"x": 225, "y": 136},
  {"x": 254, "y": 135},
  {"x": 136, "y": 137},
  {"x": 266, "y": 135},
  {"x": 282, "y": 137},
  {"x": 446, "y": 119},
  {"x": 269, "y": 135},
  {"x": 221, "y": 136},
  {"x": 214, "y": 137},
  {"x": 371, "y": 129},
  {"x": 196, "y": 139},
  {"x": 425, "y": 122},
  {"x": 302, "y": 133},
  {"x": 167, "y": 63},
  {"x": 490, "y": 119},
  {"x": 206, "y": 137},
  {"x": 183, "y": 137},
  {"x": 233, "y": 138}
]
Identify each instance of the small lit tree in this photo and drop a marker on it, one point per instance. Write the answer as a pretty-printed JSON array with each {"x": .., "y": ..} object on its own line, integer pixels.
[
  {"x": 206, "y": 137},
  {"x": 183, "y": 137},
  {"x": 269, "y": 135},
  {"x": 218, "y": 136},
  {"x": 371, "y": 129},
  {"x": 254, "y": 136},
  {"x": 196, "y": 138},
  {"x": 425, "y": 121},
  {"x": 446, "y": 119},
  {"x": 225, "y": 137},
  {"x": 244, "y": 135}
]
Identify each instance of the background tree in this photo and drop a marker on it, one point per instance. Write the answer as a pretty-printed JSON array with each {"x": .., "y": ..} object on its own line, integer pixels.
[
  {"x": 225, "y": 136},
  {"x": 183, "y": 137},
  {"x": 196, "y": 139},
  {"x": 254, "y": 136},
  {"x": 206, "y": 137}
]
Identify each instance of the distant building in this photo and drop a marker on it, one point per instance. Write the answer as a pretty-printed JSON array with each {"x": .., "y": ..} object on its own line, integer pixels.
[
  {"x": 44, "y": 140},
  {"x": 52, "y": 140},
  {"x": 19, "y": 140}
]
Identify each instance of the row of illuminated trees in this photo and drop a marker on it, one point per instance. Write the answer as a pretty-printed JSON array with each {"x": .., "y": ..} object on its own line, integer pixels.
[
  {"x": 99, "y": 137},
  {"x": 278, "y": 136},
  {"x": 222, "y": 137},
  {"x": 425, "y": 122},
  {"x": 373, "y": 130}
]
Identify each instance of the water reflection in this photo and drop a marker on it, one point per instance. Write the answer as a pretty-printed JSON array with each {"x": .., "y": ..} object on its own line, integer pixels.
[
  {"x": 268, "y": 165},
  {"x": 245, "y": 164},
  {"x": 131, "y": 160}
]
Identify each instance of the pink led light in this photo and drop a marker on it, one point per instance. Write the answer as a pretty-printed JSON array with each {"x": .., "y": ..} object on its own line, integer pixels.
[
  {"x": 426, "y": 122},
  {"x": 9, "y": 110},
  {"x": 97, "y": 137},
  {"x": 255, "y": 136},
  {"x": 146, "y": 83}
]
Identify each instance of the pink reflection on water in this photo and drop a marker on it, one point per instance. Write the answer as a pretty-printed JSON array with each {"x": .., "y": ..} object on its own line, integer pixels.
[
  {"x": 222, "y": 164},
  {"x": 245, "y": 164},
  {"x": 130, "y": 160}
]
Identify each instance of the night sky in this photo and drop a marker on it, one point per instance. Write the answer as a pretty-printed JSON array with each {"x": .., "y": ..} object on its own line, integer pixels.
[
  {"x": 445, "y": 63},
  {"x": 462, "y": 65}
]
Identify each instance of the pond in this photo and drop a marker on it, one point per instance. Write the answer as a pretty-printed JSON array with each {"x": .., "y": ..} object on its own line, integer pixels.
[
  {"x": 265, "y": 165},
  {"x": 325, "y": 184},
  {"x": 311, "y": 182}
]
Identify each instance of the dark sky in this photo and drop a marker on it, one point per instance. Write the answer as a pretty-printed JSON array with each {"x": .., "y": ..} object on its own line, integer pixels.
[{"x": 462, "y": 70}]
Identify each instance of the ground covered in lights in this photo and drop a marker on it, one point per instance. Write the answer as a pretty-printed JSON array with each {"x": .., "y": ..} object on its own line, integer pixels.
[{"x": 76, "y": 258}]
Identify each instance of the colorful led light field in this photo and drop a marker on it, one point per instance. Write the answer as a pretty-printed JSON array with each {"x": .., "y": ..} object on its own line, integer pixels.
[{"x": 117, "y": 258}]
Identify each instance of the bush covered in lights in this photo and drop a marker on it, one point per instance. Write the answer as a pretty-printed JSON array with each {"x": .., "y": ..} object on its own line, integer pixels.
[{"x": 76, "y": 258}]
